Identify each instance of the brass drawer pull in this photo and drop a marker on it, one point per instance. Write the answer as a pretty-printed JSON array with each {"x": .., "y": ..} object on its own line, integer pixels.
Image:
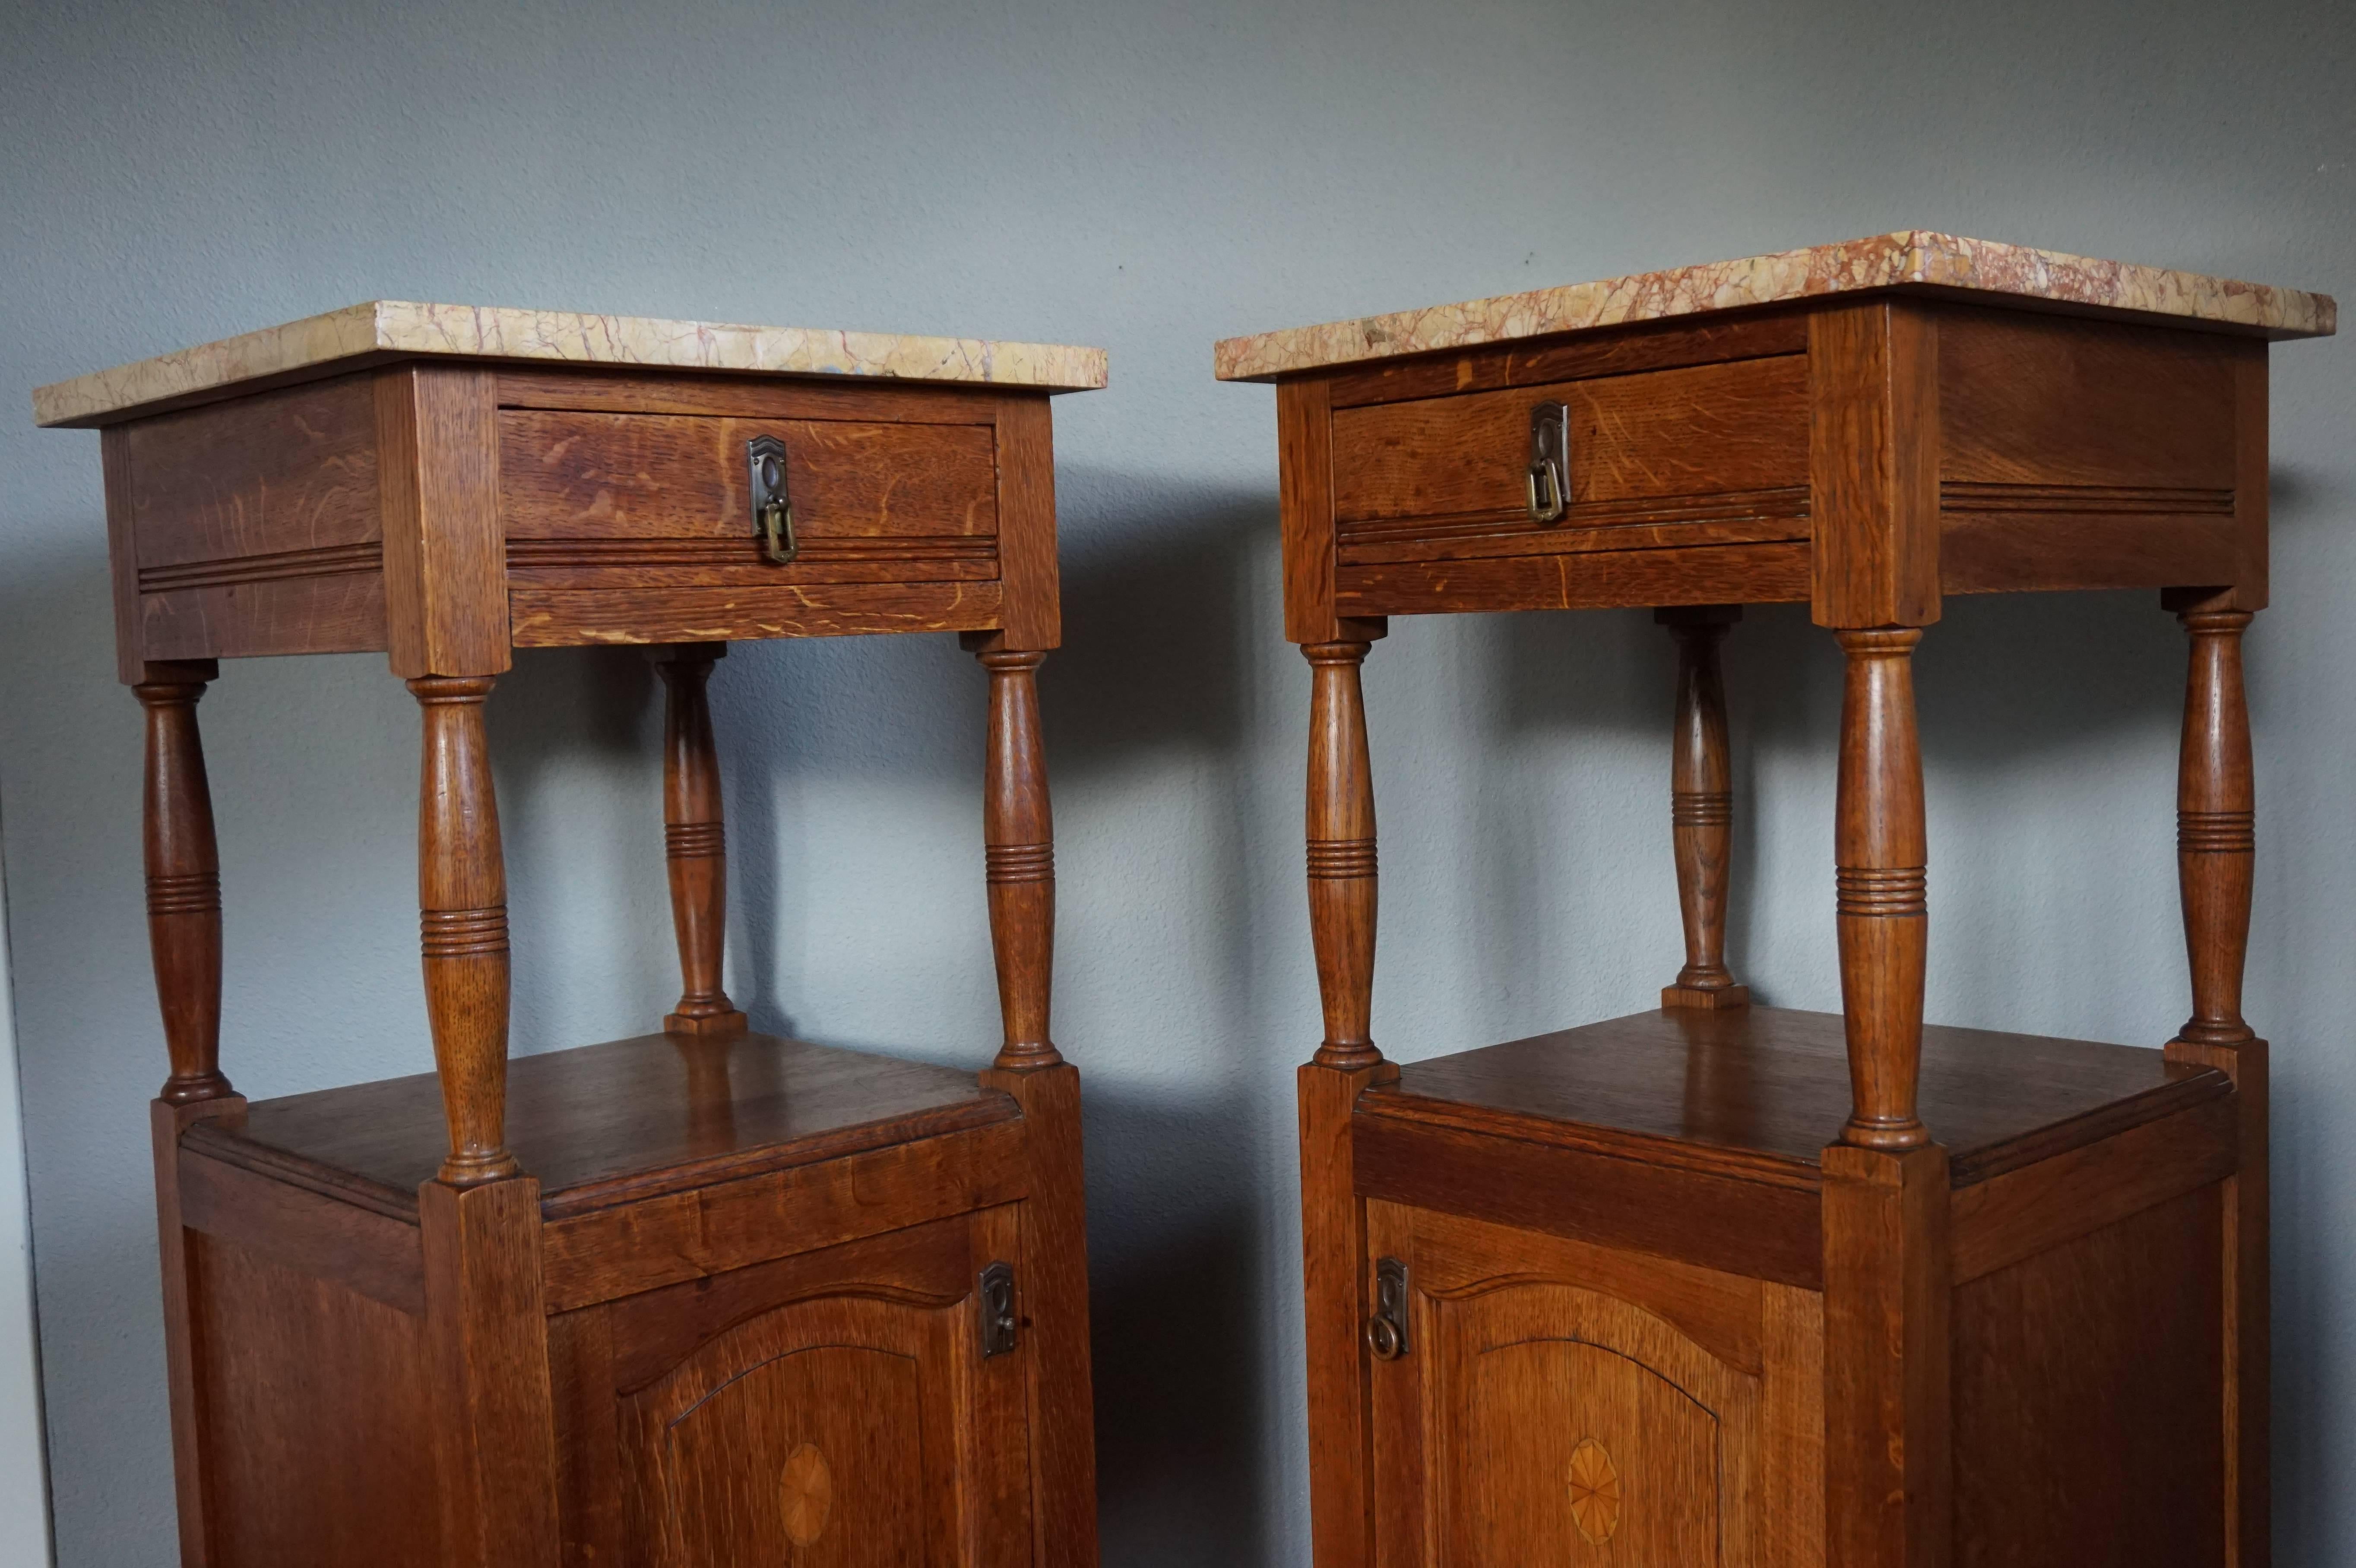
[
  {"x": 1387, "y": 1329},
  {"x": 773, "y": 509},
  {"x": 1549, "y": 471}
]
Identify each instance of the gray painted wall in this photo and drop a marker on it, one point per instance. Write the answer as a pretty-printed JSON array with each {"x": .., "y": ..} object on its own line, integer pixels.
[{"x": 1148, "y": 178}]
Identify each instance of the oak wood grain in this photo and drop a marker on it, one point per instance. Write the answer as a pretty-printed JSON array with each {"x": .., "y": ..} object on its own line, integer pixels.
[
  {"x": 837, "y": 1430},
  {"x": 2216, "y": 825},
  {"x": 183, "y": 862},
  {"x": 2087, "y": 1382},
  {"x": 2034, "y": 1207},
  {"x": 1649, "y": 345},
  {"x": 1054, "y": 1304},
  {"x": 589, "y": 1479},
  {"x": 462, "y": 900},
  {"x": 305, "y": 1232},
  {"x": 1334, "y": 1284},
  {"x": 1754, "y": 1092},
  {"x": 1738, "y": 425},
  {"x": 1456, "y": 1257},
  {"x": 1769, "y": 573},
  {"x": 1668, "y": 522},
  {"x": 1760, "y": 1229},
  {"x": 675, "y": 476},
  {"x": 630, "y": 1119},
  {"x": 493, "y": 1432},
  {"x": 1701, "y": 807},
  {"x": 1791, "y": 1429},
  {"x": 1028, "y": 572},
  {"x": 1874, "y": 464},
  {"x": 1343, "y": 887},
  {"x": 604, "y": 1254},
  {"x": 653, "y": 1331},
  {"x": 2248, "y": 1303},
  {"x": 122, "y": 552},
  {"x": 2253, "y": 572},
  {"x": 332, "y": 613},
  {"x": 724, "y": 395},
  {"x": 556, "y": 618},
  {"x": 1304, "y": 442},
  {"x": 279, "y": 472},
  {"x": 695, "y": 839},
  {"x": 1889, "y": 1423},
  {"x": 1562, "y": 1414},
  {"x": 2023, "y": 551},
  {"x": 439, "y": 479},
  {"x": 315, "y": 1412},
  {"x": 167, "y": 1123},
  {"x": 1019, "y": 860},
  {"x": 2048, "y": 400},
  {"x": 1879, "y": 855}
]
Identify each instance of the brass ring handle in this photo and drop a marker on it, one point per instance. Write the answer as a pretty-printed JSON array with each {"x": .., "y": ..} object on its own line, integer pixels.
[
  {"x": 778, "y": 541},
  {"x": 772, "y": 506},
  {"x": 1544, "y": 492},
  {"x": 1549, "y": 476},
  {"x": 1383, "y": 1338}
]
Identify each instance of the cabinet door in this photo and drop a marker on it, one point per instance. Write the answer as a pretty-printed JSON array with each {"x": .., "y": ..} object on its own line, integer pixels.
[
  {"x": 1561, "y": 1404},
  {"x": 833, "y": 1411}
]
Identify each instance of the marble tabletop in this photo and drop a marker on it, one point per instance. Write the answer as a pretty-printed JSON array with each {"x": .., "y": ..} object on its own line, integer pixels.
[
  {"x": 381, "y": 330},
  {"x": 1911, "y": 258}
]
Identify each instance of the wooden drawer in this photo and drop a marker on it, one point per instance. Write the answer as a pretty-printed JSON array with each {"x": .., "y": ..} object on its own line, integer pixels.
[
  {"x": 1706, "y": 453},
  {"x": 637, "y": 525},
  {"x": 1429, "y": 497},
  {"x": 643, "y": 500}
]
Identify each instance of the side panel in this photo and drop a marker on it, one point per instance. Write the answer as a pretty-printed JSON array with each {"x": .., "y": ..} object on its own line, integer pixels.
[
  {"x": 249, "y": 527},
  {"x": 2090, "y": 454},
  {"x": 314, "y": 1414},
  {"x": 2089, "y": 1388}
]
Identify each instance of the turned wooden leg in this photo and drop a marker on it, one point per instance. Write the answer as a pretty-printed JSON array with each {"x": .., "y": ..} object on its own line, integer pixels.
[
  {"x": 1342, "y": 881},
  {"x": 184, "y": 921},
  {"x": 1701, "y": 807},
  {"x": 1879, "y": 856},
  {"x": 1019, "y": 857},
  {"x": 2216, "y": 847},
  {"x": 695, "y": 836},
  {"x": 461, "y": 897},
  {"x": 2216, "y": 841}
]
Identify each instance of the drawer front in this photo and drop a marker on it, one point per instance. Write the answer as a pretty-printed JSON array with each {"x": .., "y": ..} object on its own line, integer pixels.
[
  {"x": 640, "y": 527},
  {"x": 1432, "y": 508},
  {"x": 667, "y": 498}
]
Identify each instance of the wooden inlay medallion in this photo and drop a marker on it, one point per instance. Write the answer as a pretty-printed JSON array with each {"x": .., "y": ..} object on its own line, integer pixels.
[
  {"x": 1594, "y": 1491},
  {"x": 806, "y": 1493}
]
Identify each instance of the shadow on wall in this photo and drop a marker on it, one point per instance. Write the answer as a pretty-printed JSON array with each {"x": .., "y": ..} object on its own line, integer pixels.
[
  {"x": 1179, "y": 1281},
  {"x": 1156, "y": 650},
  {"x": 1155, "y": 628}
]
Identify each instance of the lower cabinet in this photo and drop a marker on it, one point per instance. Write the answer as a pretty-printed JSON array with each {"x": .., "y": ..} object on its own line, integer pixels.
[
  {"x": 1552, "y": 1402},
  {"x": 864, "y": 1406}
]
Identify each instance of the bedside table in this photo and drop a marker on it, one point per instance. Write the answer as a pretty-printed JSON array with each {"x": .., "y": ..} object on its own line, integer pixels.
[
  {"x": 1736, "y": 1284},
  {"x": 706, "y": 1295}
]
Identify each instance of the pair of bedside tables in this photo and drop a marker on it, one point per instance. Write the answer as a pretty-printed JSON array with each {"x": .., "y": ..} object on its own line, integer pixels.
[{"x": 1719, "y": 1283}]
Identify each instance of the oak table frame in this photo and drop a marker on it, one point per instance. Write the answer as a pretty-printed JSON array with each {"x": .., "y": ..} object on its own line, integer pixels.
[
  {"x": 574, "y": 1313},
  {"x": 1742, "y": 1284}
]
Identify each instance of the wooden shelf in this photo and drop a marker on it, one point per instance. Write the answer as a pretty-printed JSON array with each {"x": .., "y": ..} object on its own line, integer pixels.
[
  {"x": 1761, "y": 1090},
  {"x": 601, "y": 1125}
]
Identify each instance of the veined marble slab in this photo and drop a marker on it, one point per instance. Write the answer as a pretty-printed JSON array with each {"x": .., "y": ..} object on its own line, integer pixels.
[
  {"x": 1913, "y": 258},
  {"x": 388, "y": 329}
]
